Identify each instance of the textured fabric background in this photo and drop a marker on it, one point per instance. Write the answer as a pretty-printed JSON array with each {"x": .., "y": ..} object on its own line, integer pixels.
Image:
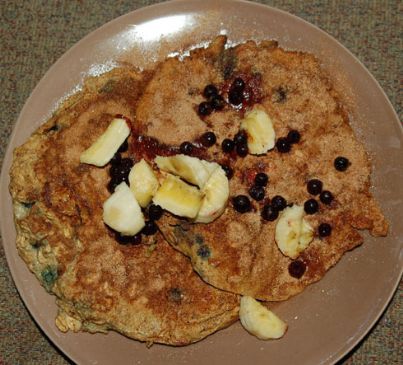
[{"x": 34, "y": 34}]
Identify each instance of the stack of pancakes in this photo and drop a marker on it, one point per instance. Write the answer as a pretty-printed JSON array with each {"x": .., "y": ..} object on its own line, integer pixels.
[{"x": 161, "y": 290}]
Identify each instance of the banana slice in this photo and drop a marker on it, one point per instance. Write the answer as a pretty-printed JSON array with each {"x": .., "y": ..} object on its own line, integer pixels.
[
  {"x": 293, "y": 233},
  {"x": 103, "y": 149},
  {"x": 259, "y": 321},
  {"x": 179, "y": 198},
  {"x": 216, "y": 192},
  {"x": 143, "y": 182},
  {"x": 122, "y": 212},
  {"x": 191, "y": 169},
  {"x": 259, "y": 129}
]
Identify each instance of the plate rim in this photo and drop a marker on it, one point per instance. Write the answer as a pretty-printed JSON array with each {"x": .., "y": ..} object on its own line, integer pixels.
[{"x": 4, "y": 178}]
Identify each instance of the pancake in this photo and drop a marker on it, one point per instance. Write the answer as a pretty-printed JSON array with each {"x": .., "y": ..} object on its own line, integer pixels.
[
  {"x": 148, "y": 291},
  {"x": 237, "y": 252}
]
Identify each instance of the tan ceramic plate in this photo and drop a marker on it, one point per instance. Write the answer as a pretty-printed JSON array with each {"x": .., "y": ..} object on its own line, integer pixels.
[{"x": 329, "y": 318}]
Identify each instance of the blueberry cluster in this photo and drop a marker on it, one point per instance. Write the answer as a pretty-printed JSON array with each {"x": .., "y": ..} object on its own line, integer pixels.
[
  {"x": 236, "y": 92},
  {"x": 229, "y": 172},
  {"x": 207, "y": 139},
  {"x": 257, "y": 191},
  {"x": 284, "y": 144},
  {"x": 242, "y": 203},
  {"x": 311, "y": 206},
  {"x": 271, "y": 209},
  {"x": 119, "y": 171},
  {"x": 214, "y": 101},
  {"x": 239, "y": 144},
  {"x": 154, "y": 212}
]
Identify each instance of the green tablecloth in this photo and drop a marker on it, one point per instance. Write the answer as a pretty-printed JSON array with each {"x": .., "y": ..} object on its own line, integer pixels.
[{"x": 34, "y": 34}]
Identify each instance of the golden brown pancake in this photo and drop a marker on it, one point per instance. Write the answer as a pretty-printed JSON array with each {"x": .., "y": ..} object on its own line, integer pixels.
[
  {"x": 238, "y": 252},
  {"x": 147, "y": 292}
]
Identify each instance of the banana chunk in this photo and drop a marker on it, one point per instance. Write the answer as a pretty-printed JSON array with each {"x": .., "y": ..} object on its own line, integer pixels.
[
  {"x": 259, "y": 321},
  {"x": 293, "y": 233},
  {"x": 103, "y": 149},
  {"x": 179, "y": 198},
  {"x": 143, "y": 182},
  {"x": 259, "y": 129},
  {"x": 191, "y": 169},
  {"x": 216, "y": 193},
  {"x": 122, "y": 211}
]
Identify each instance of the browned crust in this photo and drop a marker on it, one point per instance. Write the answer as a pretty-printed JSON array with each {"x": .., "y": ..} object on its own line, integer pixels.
[
  {"x": 61, "y": 236},
  {"x": 244, "y": 257}
]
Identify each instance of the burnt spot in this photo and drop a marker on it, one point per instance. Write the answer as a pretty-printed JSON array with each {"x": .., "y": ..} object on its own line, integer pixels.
[
  {"x": 175, "y": 295},
  {"x": 228, "y": 63},
  {"x": 199, "y": 239},
  {"x": 53, "y": 128},
  {"x": 107, "y": 87},
  {"x": 280, "y": 95},
  {"x": 204, "y": 252},
  {"x": 49, "y": 276},
  {"x": 36, "y": 244},
  {"x": 28, "y": 205}
]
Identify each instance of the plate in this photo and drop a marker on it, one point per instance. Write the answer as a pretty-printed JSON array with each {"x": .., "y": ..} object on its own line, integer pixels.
[{"x": 329, "y": 317}]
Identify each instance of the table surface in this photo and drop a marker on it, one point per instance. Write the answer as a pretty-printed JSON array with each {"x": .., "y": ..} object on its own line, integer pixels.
[{"x": 34, "y": 34}]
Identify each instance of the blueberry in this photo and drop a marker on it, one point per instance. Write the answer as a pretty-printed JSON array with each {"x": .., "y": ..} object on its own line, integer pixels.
[
  {"x": 125, "y": 240},
  {"x": 115, "y": 172},
  {"x": 116, "y": 159},
  {"x": 235, "y": 97},
  {"x": 278, "y": 202},
  {"x": 283, "y": 145},
  {"x": 126, "y": 163},
  {"x": 257, "y": 192},
  {"x": 228, "y": 171},
  {"x": 150, "y": 228},
  {"x": 269, "y": 213},
  {"x": 238, "y": 84},
  {"x": 186, "y": 148},
  {"x": 210, "y": 91},
  {"x": 204, "y": 109},
  {"x": 261, "y": 179},
  {"x": 341, "y": 163},
  {"x": 124, "y": 146},
  {"x": 203, "y": 252},
  {"x": 293, "y": 136},
  {"x": 120, "y": 170},
  {"x": 241, "y": 203},
  {"x": 311, "y": 206},
  {"x": 113, "y": 183},
  {"x": 242, "y": 150},
  {"x": 296, "y": 269},
  {"x": 208, "y": 139},
  {"x": 314, "y": 186},
  {"x": 227, "y": 145},
  {"x": 154, "y": 212},
  {"x": 217, "y": 102},
  {"x": 326, "y": 197},
  {"x": 324, "y": 230},
  {"x": 240, "y": 138}
]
